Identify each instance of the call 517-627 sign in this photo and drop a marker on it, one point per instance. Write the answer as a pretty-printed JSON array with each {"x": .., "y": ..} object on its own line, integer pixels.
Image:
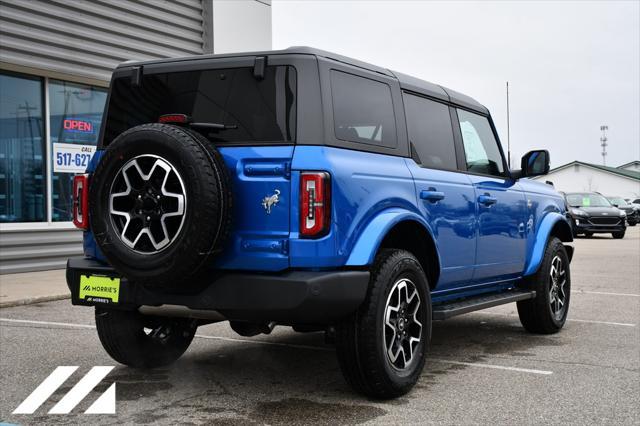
[{"x": 71, "y": 158}]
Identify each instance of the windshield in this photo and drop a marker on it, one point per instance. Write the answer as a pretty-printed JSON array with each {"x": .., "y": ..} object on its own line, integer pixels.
[
  {"x": 587, "y": 200},
  {"x": 252, "y": 109},
  {"x": 618, "y": 201}
]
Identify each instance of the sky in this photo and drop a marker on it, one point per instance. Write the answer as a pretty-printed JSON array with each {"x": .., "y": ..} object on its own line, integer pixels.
[{"x": 571, "y": 66}]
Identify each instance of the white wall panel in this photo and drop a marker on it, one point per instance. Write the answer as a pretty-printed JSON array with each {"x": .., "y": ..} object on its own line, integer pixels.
[
  {"x": 241, "y": 26},
  {"x": 578, "y": 178}
]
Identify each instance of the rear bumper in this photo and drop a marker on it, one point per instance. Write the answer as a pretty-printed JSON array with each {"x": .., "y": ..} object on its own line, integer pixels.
[{"x": 294, "y": 297}]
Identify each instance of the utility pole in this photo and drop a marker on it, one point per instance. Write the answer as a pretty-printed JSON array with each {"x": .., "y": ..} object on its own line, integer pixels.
[
  {"x": 508, "y": 131},
  {"x": 603, "y": 143}
]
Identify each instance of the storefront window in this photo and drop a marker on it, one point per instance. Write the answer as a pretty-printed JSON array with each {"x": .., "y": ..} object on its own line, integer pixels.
[
  {"x": 75, "y": 119},
  {"x": 22, "y": 183}
]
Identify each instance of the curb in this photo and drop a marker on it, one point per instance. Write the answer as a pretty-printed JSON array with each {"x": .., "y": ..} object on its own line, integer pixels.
[{"x": 33, "y": 300}]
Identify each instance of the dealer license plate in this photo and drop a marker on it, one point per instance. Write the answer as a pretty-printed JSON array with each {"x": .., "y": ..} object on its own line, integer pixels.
[{"x": 99, "y": 288}]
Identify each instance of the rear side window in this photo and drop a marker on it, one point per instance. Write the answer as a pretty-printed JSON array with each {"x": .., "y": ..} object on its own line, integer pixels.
[
  {"x": 430, "y": 132},
  {"x": 254, "y": 110},
  {"x": 362, "y": 110}
]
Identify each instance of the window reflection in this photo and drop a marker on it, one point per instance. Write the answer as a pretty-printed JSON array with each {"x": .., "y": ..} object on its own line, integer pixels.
[
  {"x": 22, "y": 183},
  {"x": 75, "y": 119}
]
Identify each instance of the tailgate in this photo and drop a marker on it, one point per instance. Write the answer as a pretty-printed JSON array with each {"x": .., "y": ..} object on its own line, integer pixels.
[{"x": 261, "y": 185}]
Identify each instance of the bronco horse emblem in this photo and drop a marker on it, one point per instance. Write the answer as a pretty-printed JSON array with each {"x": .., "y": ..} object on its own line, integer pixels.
[{"x": 269, "y": 201}]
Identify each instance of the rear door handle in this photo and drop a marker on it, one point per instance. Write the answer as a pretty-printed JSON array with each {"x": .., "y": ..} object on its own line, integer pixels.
[
  {"x": 487, "y": 200},
  {"x": 432, "y": 195}
]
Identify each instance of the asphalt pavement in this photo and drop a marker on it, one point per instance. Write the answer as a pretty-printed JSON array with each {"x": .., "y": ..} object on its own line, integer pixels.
[{"x": 483, "y": 368}]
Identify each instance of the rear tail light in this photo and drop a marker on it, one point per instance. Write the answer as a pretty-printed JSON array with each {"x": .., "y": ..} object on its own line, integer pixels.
[
  {"x": 315, "y": 204},
  {"x": 81, "y": 201}
]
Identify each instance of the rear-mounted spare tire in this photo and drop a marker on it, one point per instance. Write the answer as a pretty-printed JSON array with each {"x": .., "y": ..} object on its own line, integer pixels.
[{"x": 160, "y": 205}]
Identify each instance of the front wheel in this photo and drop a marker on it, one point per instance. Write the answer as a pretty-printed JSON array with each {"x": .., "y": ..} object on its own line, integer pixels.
[
  {"x": 618, "y": 235},
  {"x": 143, "y": 341},
  {"x": 381, "y": 348},
  {"x": 547, "y": 312}
]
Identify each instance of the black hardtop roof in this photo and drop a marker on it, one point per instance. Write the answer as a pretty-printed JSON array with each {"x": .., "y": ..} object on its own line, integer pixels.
[{"x": 406, "y": 81}]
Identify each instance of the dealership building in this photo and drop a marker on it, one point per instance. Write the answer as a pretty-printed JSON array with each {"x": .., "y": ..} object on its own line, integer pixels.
[{"x": 56, "y": 59}]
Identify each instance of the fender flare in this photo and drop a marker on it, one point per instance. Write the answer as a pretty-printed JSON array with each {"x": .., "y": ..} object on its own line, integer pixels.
[
  {"x": 368, "y": 243},
  {"x": 534, "y": 259}
]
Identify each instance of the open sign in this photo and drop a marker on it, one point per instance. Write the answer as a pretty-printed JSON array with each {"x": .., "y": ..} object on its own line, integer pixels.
[{"x": 77, "y": 125}]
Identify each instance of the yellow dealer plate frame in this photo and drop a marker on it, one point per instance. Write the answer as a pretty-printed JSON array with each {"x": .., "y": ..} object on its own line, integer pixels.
[{"x": 99, "y": 288}]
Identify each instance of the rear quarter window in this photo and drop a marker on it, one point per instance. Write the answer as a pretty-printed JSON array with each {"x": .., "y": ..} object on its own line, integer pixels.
[{"x": 362, "y": 110}]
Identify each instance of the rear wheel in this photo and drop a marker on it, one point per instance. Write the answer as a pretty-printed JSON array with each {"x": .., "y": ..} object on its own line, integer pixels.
[
  {"x": 547, "y": 313},
  {"x": 381, "y": 348},
  {"x": 143, "y": 341},
  {"x": 618, "y": 235}
]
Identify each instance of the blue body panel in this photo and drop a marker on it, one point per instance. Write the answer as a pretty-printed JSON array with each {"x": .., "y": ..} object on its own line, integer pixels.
[
  {"x": 90, "y": 248},
  {"x": 450, "y": 219},
  {"x": 258, "y": 240},
  {"x": 501, "y": 233},
  {"x": 480, "y": 247},
  {"x": 362, "y": 252},
  {"x": 546, "y": 209},
  {"x": 363, "y": 186}
]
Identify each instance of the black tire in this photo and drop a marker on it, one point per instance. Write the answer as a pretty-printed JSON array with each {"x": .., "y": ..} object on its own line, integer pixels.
[
  {"x": 123, "y": 336},
  {"x": 538, "y": 315},
  {"x": 361, "y": 341},
  {"x": 198, "y": 234},
  {"x": 588, "y": 234},
  {"x": 618, "y": 235}
]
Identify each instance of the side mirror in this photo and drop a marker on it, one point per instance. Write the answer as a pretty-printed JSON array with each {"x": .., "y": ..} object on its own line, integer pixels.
[{"x": 535, "y": 163}]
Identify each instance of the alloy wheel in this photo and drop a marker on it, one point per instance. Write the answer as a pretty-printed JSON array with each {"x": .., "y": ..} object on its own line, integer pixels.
[
  {"x": 558, "y": 281},
  {"x": 402, "y": 331},
  {"x": 147, "y": 204}
]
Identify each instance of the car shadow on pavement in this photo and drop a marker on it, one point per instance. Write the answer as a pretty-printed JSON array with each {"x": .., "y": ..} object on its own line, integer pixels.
[{"x": 297, "y": 375}]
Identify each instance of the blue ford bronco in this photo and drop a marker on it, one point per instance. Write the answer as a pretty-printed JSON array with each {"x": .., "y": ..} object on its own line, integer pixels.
[{"x": 307, "y": 189}]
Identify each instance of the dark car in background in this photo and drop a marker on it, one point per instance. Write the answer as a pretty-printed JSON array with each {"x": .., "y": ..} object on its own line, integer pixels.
[
  {"x": 632, "y": 210},
  {"x": 592, "y": 213}
]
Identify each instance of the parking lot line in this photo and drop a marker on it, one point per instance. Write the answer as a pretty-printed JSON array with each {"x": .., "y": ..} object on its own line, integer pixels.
[
  {"x": 64, "y": 324},
  {"x": 290, "y": 345},
  {"x": 605, "y": 293},
  {"x": 497, "y": 367},
  {"x": 621, "y": 324}
]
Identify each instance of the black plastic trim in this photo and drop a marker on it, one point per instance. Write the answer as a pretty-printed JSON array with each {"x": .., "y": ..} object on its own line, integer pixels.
[
  {"x": 448, "y": 310},
  {"x": 292, "y": 297}
]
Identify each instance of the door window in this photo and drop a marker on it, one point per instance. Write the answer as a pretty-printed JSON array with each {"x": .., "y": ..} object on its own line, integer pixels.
[
  {"x": 482, "y": 153},
  {"x": 429, "y": 127}
]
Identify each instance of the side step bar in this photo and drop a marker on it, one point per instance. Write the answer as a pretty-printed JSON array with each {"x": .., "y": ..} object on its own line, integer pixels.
[{"x": 451, "y": 309}]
